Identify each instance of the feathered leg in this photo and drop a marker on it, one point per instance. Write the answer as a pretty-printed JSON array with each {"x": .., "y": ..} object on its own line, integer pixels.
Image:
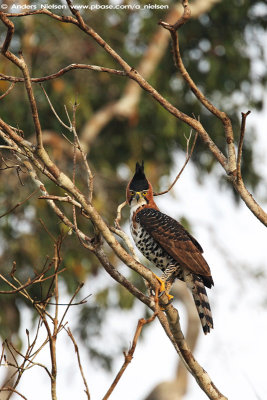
[{"x": 169, "y": 276}]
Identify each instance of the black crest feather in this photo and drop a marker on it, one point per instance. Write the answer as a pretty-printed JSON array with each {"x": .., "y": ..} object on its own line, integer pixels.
[{"x": 139, "y": 181}]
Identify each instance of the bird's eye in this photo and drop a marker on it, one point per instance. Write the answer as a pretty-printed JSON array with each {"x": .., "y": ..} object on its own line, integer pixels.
[
  {"x": 132, "y": 192},
  {"x": 144, "y": 192}
]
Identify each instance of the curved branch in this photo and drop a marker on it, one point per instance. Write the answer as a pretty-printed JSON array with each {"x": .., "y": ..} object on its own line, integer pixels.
[
  {"x": 61, "y": 72},
  {"x": 129, "y": 355},
  {"x": 231, "y": 165}
]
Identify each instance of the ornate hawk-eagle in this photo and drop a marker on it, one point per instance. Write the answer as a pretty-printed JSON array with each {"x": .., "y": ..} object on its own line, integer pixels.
[{"x": 167, "y": 244}]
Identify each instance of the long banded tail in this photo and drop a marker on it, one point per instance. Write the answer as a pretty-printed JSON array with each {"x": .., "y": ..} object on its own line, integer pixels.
[{"x": 201, "y": 300}]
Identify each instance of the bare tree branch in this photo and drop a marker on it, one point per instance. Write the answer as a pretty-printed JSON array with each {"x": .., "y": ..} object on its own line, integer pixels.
[
  {"x": 54, "y": 111},
  {"x": 79, "y": 363},
  {"x": 61, "y": 72},
  {"x": 129, "y": 355},
  {"x": 38, "y": 279},
  {"x": 200, "y": 96},
  {"x": 28, "y": 359}
]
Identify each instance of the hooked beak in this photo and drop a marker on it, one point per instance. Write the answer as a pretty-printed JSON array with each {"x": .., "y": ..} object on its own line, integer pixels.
[{"x": 137, "y": 196}]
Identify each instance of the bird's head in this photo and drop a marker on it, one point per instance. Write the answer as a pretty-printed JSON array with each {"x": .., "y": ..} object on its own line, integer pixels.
[{"x": 139, "y": 190}]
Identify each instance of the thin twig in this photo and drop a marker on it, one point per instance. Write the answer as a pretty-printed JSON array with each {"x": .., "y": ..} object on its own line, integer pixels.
[
  {"x": 19, "y": 204},
  {"x": 28, "y": 360},
  {"x": 96, "y": 68},
  {"x": 182, "y": 169},
  {"x": 9, "y": 346},
  {"x": 67, "y": 113},
  {"x": 8, "y": 90},
  {"x": 47, "y": 230},
  {"x": 53, "y": 337},
  {"x": 90, "y": 176},
  {"x": 66, "y": 199},
  {"x": 74, "y": 162},
  {"x": 38, "y": 279},
  {"x": 57, "y": 261},
  {"x": 129, "y": 355},
  {"x": 83, "y": 301},
  {"x": 52, "y": 289},
  {"x": 240, "y": 145},
  {"x": 79, "y": 362},
  {"x": 188, "y": 141},
  {"x": 77, "y": 143},
  {"x": 70, "y": 302},
  {"x": 54, "y": 111},
  {"x": 51, "y": 340},
  {"x": 2, "y": 353}
]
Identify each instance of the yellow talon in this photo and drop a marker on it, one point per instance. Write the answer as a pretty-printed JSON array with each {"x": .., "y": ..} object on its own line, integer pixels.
[
  {"x": 170, "y": 298},
  {"x": 162, "y": 283},
  {"x": 162, "y": 288}
]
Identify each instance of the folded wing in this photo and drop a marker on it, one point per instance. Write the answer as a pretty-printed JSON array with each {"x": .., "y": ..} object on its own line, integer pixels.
[{"x": 176, "y": 241}]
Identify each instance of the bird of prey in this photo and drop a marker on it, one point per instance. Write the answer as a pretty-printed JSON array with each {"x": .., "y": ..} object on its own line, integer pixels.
[{"x": 167, "y": 244}]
